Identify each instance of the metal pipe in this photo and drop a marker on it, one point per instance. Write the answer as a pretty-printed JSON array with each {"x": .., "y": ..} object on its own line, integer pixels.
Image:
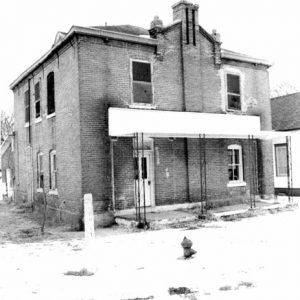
[
  {"x": 139, "y": 188},
  {"x": 112, "y": 174},
  {"x": 143, "y": 177},
  {"x": 250, "y": 170}
]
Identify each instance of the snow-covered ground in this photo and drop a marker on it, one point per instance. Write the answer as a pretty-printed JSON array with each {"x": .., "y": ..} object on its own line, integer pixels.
[{"x": 255, "y": 258}]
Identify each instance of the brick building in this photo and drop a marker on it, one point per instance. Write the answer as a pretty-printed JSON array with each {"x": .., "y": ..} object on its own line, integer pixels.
[
  {"x": 118, "y": 110},
  {"x": 286, "y": 118},
  {"x": 7, "y": 167}
]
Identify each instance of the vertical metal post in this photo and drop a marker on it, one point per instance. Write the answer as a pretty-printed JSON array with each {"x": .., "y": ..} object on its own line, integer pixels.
[
  {"x": 143, "y": 165},
  {"x": 202, "y": 166},
  {"x": 205, "y": 182},
  {"x": 201, "y": 174},
  {"x": 139, "y": 176},
  {"x": 134, "y": 174},
  {"x": 289, "y": 168},
  {"x": 250, "y": 170},
  {"x": 255, "y": 179},
  {"x": 112, "y": 174}
]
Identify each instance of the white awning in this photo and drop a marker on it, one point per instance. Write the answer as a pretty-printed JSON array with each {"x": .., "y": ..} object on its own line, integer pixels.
[{"x": 158, "y": 123}]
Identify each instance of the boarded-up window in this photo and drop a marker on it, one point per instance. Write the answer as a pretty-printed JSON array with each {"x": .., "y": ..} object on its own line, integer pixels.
[
  {"x": 281, "y": 160},
  {"x": 40, "y": 171},
  {"x": 27, "y": 106},
  {"x": 141, "y": 82},
  {"x": 50, "y": 93},
  {"x": 233, "y": 92},
  {"x": 53, "y": 170},
  {"x": 37, "y": 100}
]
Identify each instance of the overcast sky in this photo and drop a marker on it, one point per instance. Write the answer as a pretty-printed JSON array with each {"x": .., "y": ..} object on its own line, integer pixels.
[{"x": 261, "y": 28}]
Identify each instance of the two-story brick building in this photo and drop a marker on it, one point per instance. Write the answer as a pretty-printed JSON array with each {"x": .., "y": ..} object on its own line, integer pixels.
[{"x": 118, "y": 110}]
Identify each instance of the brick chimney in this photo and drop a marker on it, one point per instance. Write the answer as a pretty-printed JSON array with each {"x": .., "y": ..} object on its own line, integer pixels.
[{"x": 187, "y": 12}]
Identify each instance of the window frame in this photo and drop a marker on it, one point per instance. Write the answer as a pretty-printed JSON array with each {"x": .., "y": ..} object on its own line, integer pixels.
[
  {"x": 27, "y": 107},
  {"x": 52, "y": 170},
  {"x": 40, "y": 172},
  {"x": 240, "y": 165},
  {"x": 233, "y": 94},
  {"x": 286, "y": 160},
  {"x": 37, "y": 100},
  {"x": 140, "y": 104},
  {"x": 50, "y": 113}
]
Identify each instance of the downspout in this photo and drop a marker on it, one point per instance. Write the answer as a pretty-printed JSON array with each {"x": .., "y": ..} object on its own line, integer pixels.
[
  {"x": 30, "y": 145},
  {"x": 184, "y": 109}
]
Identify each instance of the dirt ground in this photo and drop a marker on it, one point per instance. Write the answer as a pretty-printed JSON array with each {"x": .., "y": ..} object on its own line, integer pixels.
[{"x": 250, "y": 258}]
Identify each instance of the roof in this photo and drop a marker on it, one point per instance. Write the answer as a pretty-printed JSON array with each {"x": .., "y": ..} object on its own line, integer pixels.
[
  {"x": 91, "y": 31},
  {"x": 158, "y": 123},
  {"x": 286, "y": 112},
  {"x": 128, "y": 29},
  {"x": 127, "y": 33},
  {"x": 228, "y": 54}
]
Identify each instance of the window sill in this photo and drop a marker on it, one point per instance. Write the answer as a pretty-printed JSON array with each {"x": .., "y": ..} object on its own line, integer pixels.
[
  {"x": 236, "y": 183},
  {"x": 231, "y": 110},
  {"x": 39, "y": 190},
  {"x": 50, "y": 116},
  {"x": 142, "y": 106},
  {"x": 27, "y": 124},
  {"x": 38, "y": 120},
  {"x": 53, "y": 192}
]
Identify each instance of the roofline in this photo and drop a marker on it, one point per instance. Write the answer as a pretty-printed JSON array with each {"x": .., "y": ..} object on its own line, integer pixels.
[
  {"x": 83, "y": 31},
  {"x": 240, "y": 57},
  {"x": 284, "y": 96},
  {"x": 207, "y": 35}
]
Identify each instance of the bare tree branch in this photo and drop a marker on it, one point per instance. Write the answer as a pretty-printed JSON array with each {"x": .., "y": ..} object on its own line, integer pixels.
[
  {"x": 6, "y": 125},
  {"x": 282, "y": 89}
]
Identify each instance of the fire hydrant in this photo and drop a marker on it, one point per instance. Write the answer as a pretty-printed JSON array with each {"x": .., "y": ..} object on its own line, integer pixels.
[{"x": 187, "y": 248}]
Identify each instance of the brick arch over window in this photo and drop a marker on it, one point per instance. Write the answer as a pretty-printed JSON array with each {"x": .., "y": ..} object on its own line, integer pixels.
[{"x": 50, "y": 93}]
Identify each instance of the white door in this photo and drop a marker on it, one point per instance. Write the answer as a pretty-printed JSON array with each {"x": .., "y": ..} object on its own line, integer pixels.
[{"x": 143, "y": 184}]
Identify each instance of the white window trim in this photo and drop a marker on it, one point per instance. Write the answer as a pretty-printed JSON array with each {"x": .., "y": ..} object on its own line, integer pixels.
[
  {"x": 26, "y": 124},
  {"x": 223, "y": 74},
  {"x": 51, "y": 115},
  {"x": 240, "y": 182},
  {"x": 53, "y": 192},
  {"x": 38, "y": 120},
  {"x": 141, "y": 105},
  {"x": 275, "y": 160},
  {"x": 52, "y": 153}
]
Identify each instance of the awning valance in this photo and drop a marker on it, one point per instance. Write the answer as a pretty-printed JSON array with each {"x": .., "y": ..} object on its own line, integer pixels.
[{"x": 158, "y": 123}]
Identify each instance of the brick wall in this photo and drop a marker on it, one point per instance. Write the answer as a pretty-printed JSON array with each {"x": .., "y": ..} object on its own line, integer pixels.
[
  {"x": 286, "y": 112},
  {"x": 60, "y": 132}
]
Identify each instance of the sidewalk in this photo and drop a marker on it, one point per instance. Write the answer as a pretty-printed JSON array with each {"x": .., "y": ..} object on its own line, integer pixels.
[{"x": 164, "y": 218}]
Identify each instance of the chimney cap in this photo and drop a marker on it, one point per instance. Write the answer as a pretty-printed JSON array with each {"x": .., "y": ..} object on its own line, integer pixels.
[
  {"x": 216, "y": 35},
  {"x": 186, "y": 3},
  {"x": 157, "y": 22}
]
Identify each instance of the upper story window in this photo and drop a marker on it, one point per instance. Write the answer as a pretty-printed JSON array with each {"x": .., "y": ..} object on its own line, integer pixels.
[
  {"x": 53, "y": 170},
  {"x": 37, "y": 100},
  {"x": 50, "y": 94},
  {"x": 141, "y": 82},
  {"x": 40, "y": 171},
  {"x": 233, "y": 92},
  {"x": 235, "y": 163},
  {"x": 281, "y": 159},
  {"x": 27, "y": 106}
]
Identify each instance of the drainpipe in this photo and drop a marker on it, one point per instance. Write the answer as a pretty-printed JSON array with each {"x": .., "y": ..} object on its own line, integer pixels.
[
  {"x": 30, "y": 145},
  {"x": 184, "y": 109}
]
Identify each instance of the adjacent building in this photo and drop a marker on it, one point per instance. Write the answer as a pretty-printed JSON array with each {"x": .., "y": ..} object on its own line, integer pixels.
[
  {"x": 286, "y": 118},
  {"x": 7, "y": 168},
  {"x": 154, "y": 117}
]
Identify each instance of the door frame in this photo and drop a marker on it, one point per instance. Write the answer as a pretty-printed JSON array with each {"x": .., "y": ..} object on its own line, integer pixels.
[{"x": 151, "y": 174}]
